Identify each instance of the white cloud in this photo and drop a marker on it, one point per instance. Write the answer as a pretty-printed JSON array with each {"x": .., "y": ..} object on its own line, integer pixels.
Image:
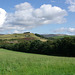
[
  {"x": 69, "y": 30},
  {"x": 60, "y": 29},
  {"x": 23, "y": 6},
  {"x": 47, "y": 14},
  {"x": 26, "y": 17},
  {"x": 16, "y": 31},
  {"x": 71, "y": 2},
  {"x": 72, "y": 5},
  {"x": 72, "y": 8},
  {"x": 2, "y": 16}
]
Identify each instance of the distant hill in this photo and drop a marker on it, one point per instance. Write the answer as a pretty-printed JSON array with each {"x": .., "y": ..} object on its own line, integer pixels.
[{"x": 53, "y": 35}]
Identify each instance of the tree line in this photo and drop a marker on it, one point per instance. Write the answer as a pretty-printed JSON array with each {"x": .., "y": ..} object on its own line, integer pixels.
[{"x": 60, "y": 47}]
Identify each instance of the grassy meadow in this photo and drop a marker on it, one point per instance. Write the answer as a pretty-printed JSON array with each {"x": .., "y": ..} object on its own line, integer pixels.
[{"x": 17, "y": 63}]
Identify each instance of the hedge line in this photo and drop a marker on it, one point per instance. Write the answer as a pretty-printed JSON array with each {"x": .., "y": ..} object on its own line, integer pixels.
[{"x": 61, "y": 47}]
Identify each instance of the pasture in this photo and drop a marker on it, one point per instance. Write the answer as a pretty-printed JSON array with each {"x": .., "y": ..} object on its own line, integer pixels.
[{"x": 18, "y": 63}]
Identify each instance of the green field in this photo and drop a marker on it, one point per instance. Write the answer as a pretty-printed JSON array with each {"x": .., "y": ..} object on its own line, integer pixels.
[{"x": 17, "y": 63}]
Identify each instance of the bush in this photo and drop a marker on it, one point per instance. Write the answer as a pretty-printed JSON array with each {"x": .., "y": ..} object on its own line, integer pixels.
[{"x": 35, "y": 46}]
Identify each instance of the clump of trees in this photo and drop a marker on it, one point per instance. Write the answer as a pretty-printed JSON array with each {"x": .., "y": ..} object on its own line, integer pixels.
[
  {"x": 41, "y": 36},
  {"x": 60, "y": 47}
]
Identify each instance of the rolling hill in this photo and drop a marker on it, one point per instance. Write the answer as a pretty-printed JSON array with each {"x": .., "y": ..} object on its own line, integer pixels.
[
  {"x": 21, "y": 36},
  {"x": 56, "y": 36},
  {"x": 53, "y": 35}
]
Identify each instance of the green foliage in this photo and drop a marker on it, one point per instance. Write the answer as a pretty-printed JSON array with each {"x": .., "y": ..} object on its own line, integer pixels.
[
  {"x": 60, "y": 47},
  {"x": 39, "y": 35},
  {"x": 35, "y": 46},
  {"x": 67, "y": 46}
]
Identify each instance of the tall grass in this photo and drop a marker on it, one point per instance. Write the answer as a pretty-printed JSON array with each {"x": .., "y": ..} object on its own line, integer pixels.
[{"x": 17, "y": 63}]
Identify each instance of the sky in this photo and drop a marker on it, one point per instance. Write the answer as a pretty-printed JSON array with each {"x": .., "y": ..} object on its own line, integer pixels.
[{"x": 37, "y": 16}]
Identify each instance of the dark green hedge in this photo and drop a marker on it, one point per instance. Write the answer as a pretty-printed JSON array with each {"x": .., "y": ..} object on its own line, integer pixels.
[{"x": 61, "y": 47}]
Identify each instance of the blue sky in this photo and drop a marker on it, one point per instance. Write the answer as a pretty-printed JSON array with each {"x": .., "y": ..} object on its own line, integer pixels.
[{"x": 37, "y": 16}]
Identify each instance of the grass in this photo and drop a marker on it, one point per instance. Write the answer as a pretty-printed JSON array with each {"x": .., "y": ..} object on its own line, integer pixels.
[
  {"x": 17, "y": 63},
  {"x": 19, "y": 36}
]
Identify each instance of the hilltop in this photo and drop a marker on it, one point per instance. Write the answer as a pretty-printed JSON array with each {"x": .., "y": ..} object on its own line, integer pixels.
[{"x": 26, "y": 36}]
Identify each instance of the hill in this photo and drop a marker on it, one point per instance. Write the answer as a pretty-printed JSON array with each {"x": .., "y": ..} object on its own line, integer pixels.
[
  {"x": 53, "y": 35},
  {"x": 29, "y": 35},
  {"x": 56, "y": 36},
  {"x": 17, "y": 63},
  {"x": 26, "y": 36}
]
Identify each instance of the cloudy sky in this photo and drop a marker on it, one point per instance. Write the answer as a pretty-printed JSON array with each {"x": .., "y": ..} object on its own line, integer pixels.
[{"x": 37, "y": 16}]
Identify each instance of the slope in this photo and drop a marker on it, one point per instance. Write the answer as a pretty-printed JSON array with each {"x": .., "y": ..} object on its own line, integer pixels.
[
  {"x": 21, "y": 36},
  {"x": 17, "y": 63}
]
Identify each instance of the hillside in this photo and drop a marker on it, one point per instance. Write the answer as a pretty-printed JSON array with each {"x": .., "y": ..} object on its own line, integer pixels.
[
  {"x": 26, "y": 36},
  {"x": 17, "y": 63}
]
